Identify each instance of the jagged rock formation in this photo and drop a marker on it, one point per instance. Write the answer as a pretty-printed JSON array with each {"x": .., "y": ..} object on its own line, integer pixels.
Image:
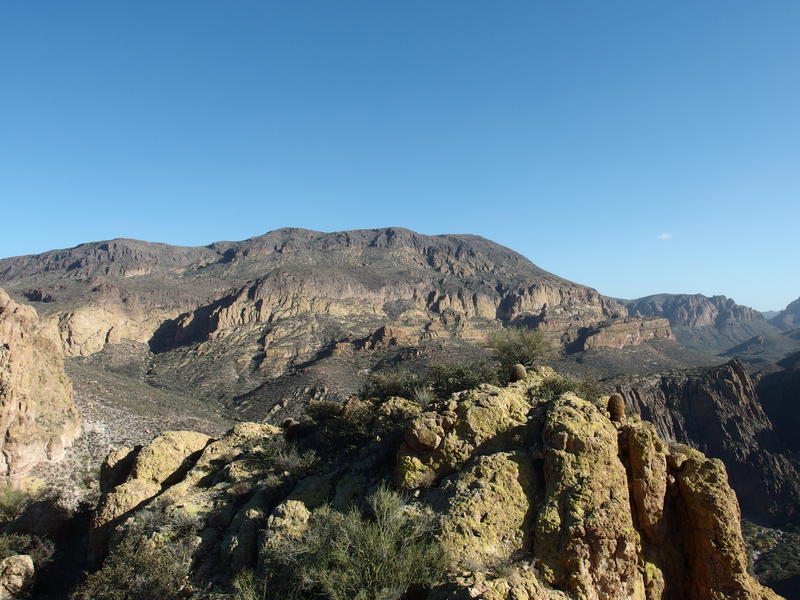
[
  {"x": 713, "y": 324},
  {"x": 591, "y": 509},
  {"x": 718, "y": 411},
  {"x": 789, "y": 318},
  {"x": 37, "y": 414}
]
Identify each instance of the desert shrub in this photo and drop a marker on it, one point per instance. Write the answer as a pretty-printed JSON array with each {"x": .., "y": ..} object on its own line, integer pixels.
[
  {"x": 439, "y": 381},
  {"x": 341, "y": 424},
  {"x": 13, "y": 502},
  {"x": 248, "y": 587},
  {"x": 392, "y": 382},
  {"x": 424, "y": 396},
  {"x": 351, "y": 556},
  {"x": 152, "y": 560},
  {"x": 447, "y": 378},
  {"x": 279, "y": 454},
  {"x": 38, "y": 548},
  {"x": 553, "y": 387},
  {"x": 523, "y": 346}
]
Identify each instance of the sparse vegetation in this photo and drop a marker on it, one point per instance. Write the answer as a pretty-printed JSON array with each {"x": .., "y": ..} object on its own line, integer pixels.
[
  {"x": 151, "y": 561},
  {"x": 439, "y": 381},
  {"x": 12, "y": 503},
  {"x": 279, "y": 454},
  {"x": 351, "y": 556},
  {"x": 553, "y": 387},
  {"x": 520, "y": 345}
]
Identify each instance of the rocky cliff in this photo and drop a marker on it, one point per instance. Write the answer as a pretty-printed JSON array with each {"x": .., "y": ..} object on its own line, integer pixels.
[
  {"x": 37, "y": 416},
  {"x": 590, "y": 508},
  {"x": 718, "y": 411},
  {"x": 716, "y": 325}
]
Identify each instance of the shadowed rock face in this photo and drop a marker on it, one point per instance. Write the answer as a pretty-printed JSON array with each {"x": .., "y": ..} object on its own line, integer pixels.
[
  {"x": 536, "y": 498},
  {"x": 718, "y": 411},
  {"x": 37, "y": 416}
]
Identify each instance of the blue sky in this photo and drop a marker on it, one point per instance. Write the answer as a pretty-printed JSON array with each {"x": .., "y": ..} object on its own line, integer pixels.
[{"x": 638, "y": 147}]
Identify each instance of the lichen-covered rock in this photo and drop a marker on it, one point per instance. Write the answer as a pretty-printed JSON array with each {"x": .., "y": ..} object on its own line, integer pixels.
[
  {"x": 16, "y": 577},
  {"x": 439, "y": 442},
  {"x": 585, "y": 541},
  {"x": 486, "y": 509},
  {"x": 167, "y": 457},
  {"x": 711, "y": 534},
  {"x": 38, "y": 418}
]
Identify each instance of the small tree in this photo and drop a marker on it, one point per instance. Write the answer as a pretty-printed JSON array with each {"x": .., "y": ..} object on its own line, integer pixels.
[{"x": 523, "y": 346}]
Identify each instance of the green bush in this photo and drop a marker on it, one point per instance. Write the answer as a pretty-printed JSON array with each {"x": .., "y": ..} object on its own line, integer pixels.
[
  {"x": 349, "y": 556},
  {"x": 447, "y": 378},
  {"x": 513, "y": 346},
  {"x": 440, "y": 380},
  {"x": 13, "y": 502},
  {"x": 553, "y": 387}
]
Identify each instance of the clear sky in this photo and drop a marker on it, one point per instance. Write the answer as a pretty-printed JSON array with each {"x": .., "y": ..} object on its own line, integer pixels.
[{"x": 634, "y": 146}]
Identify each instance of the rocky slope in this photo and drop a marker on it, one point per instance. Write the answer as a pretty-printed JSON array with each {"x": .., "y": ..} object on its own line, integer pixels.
[
  {"x": 38, "y": 418},
  {"x": 718, "y": 411},
  {"x": 592, "y": 508},
  {"x": 716, "y": 325}
]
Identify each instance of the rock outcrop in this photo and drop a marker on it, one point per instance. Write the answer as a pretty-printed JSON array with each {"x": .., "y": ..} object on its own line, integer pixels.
[
  {"x": 621, "y": 333},
  {"x": 38, "y": 418},
  {"x": 536, "y": 497},
  {"x": 718, "y": 411}
]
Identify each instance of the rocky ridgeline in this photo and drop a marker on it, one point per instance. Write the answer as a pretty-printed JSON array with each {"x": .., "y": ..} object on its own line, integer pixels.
[
  {"x": 296, "y": 288},
  {"x": 536, "y": 497},
  {"x": 38, "y": 418},
  {"x": 789, "y": 318},
  {"x": 693, "y": 310},
  {"x": 717, "y": 410}
]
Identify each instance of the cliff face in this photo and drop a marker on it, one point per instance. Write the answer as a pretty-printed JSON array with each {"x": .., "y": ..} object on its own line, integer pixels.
[
  {"x": 715, "y": 325},
  {"x": 591, "y": 508},
  {"x": 718, "y": 411},
  {"x": 37, "y": 416}
]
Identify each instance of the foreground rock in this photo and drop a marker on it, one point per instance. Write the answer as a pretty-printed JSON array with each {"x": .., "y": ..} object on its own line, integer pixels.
[
  {"x": 38, "y": 419},
  {"x": 536, "y": 497}
]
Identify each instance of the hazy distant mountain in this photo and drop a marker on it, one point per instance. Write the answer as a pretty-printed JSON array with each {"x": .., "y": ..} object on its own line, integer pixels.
[
  {"x": 788, "y": 318},
  {"x": 716, "y": 325}
]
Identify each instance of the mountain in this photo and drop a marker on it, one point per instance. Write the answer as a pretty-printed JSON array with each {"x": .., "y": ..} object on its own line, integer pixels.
[
  {"x": 716, "y": 325},
  {"x": 789, "y": 318},
  {"x": 233, "y": 322}
]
